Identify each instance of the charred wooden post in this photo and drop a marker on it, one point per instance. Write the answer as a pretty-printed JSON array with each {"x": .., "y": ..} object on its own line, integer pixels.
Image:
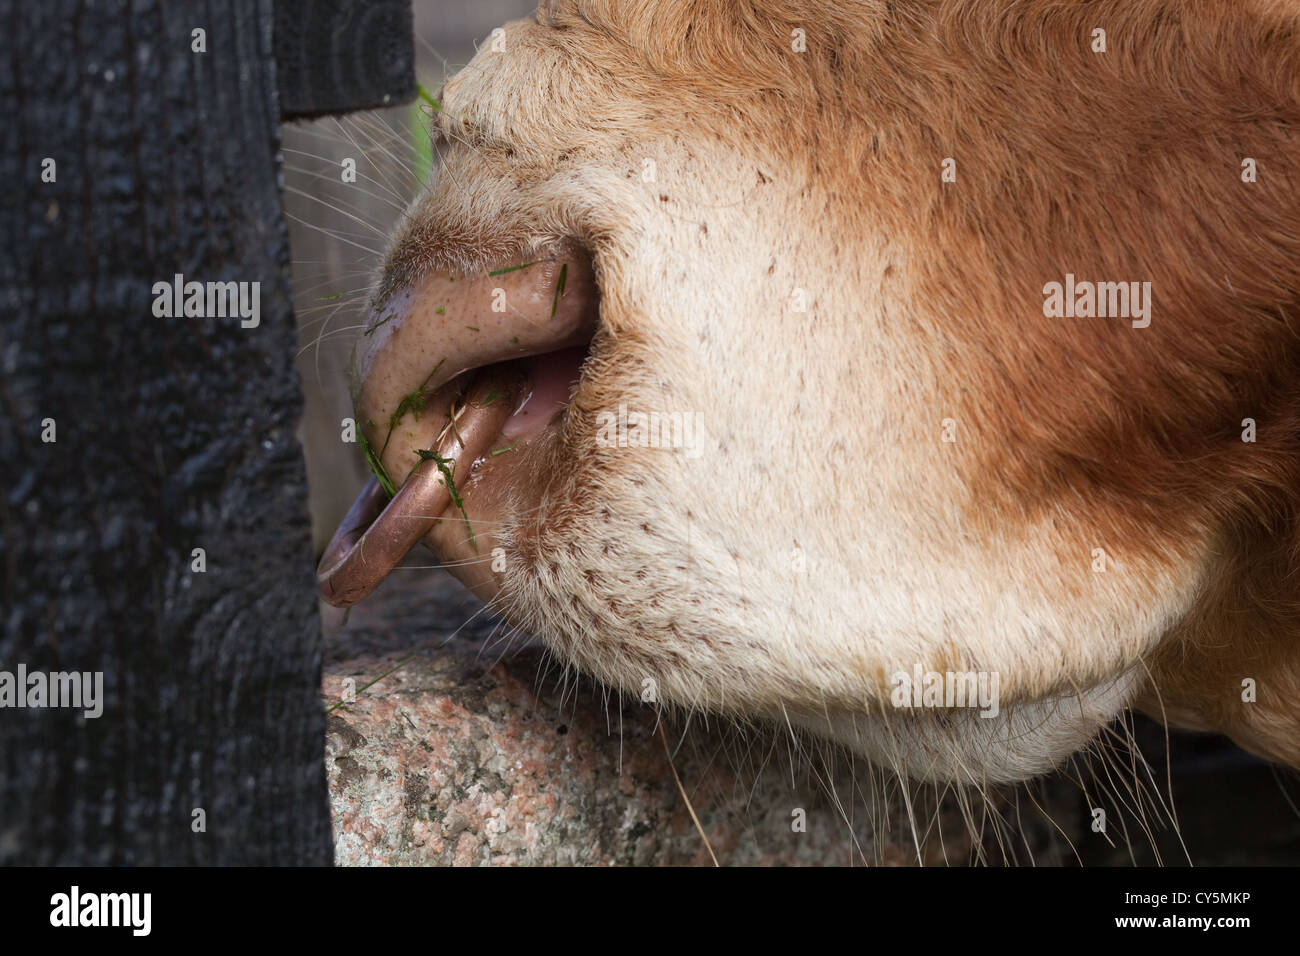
[{"x": 159, "y": 602}]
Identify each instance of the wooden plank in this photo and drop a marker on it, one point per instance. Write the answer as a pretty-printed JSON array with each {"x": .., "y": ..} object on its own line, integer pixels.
[
  {"x": 338, "y": 55},
  {"x": 171, "y": 434}
]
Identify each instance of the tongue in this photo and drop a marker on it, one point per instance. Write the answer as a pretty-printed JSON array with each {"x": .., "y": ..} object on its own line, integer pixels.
[{"x": 421, "y": 337}]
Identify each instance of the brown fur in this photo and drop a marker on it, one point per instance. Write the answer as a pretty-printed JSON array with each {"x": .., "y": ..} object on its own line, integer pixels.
[{"x": 1124, "y": 165}]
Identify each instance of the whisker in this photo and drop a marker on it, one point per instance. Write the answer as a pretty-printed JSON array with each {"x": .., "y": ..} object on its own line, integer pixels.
[{"x": 333, "y": 235}]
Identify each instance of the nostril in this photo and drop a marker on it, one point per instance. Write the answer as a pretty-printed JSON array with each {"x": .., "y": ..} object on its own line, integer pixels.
[{"x": 420, "y": 339}]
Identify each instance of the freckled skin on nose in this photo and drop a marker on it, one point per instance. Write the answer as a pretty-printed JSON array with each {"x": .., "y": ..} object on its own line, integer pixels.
[{"x": 423, "y": 336}]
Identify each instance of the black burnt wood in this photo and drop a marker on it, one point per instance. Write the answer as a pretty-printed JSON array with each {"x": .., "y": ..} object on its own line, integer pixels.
[
  {"x": 336, "y": 55},
  {"x": 172, "y": 434}
]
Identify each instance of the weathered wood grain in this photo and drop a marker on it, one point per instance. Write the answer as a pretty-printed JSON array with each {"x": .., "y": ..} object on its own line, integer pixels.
[{"x": 172, "y": 434}]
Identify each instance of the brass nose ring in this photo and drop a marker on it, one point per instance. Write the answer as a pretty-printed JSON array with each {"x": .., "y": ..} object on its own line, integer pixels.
[{"x": 375, "y": 536}]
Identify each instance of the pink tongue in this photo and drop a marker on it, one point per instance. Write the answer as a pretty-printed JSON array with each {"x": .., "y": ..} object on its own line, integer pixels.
[{"x": 552, "y": 378}]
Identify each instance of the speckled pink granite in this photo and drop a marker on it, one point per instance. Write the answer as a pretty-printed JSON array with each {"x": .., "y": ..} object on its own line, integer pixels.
[{"x": 462, "y": 757}]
